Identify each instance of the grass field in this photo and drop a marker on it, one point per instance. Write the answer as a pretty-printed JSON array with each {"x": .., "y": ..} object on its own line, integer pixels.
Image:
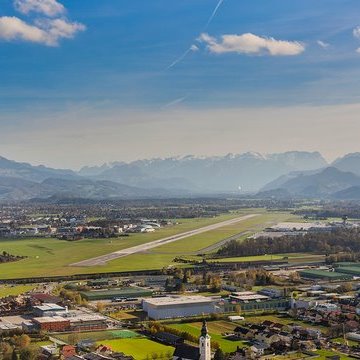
[
  {"x": 139, "y": 348},
  {"x": 122, "y": 315},
  {"x": 322, "y": 354},
  {"x": 292, "y": 257},
  {"x": 48, "y": 256},
  {"x": 216, "y": 328},
  {"x": 163, "y": 255},
  {"x": 15, "y": 290},
  {"x": 101, "y": 335}
]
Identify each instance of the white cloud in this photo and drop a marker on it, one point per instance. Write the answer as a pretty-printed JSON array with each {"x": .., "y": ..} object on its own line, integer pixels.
[
  {"x": 194, "y": 48},
  {"x": 47, "y": 32},
  {"x": 323, "y": 44},
  {"x": 46, "y": 7},
  {"x": 358, "y": 50},
  {"x": 251, "y": 44},
  {"x": 356, "y": 32},
  {"x": 57, "y": 29}
]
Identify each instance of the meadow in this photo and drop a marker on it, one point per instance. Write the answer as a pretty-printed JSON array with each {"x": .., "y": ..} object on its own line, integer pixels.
[
  {"x": 140, "y": 348},
  {"x": 14, "y": 290},
  {"x": 101, "y": 335},
  {"x": 50, "y": 256},
  {"x": 216, "y": 329}
]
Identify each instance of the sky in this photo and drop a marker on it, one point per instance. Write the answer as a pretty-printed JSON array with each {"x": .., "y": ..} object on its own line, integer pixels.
[{"x": 88, "y": 82}]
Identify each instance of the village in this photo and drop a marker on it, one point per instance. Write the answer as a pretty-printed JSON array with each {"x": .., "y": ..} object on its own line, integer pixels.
[{"x": 104, "y": 318}]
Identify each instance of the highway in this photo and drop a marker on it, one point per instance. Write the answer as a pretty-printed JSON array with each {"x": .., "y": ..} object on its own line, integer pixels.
[{"x": 102, "y": 260}]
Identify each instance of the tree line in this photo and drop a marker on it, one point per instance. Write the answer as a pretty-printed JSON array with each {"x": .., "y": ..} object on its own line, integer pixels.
[{"x": 341, "y": 240}]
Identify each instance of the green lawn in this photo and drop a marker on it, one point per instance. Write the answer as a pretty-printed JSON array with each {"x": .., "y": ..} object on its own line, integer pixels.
[
  {"x": 100, "y": 335},
  {"x": 324, "y": 353},
  {"x": 292, "y": 257},
  {"x": 48, "y": 256},
  {"x": 52, "y": 256},
  {"x": 8, "y": 290},
  {"x": 216, "y": 328},
  {"x": 139, "y": 348}
]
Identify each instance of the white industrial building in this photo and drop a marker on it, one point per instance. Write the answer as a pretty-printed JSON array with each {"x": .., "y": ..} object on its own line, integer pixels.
[{"x": 178, "y": 306}]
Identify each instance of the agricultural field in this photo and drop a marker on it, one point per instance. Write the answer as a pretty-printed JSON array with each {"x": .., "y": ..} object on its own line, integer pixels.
[
  {"x": 140, "y": 348},
  {"x": 14, "y": 290},
  {"x": 216, "y": 329},
  {"x": 52, "y": 256}
]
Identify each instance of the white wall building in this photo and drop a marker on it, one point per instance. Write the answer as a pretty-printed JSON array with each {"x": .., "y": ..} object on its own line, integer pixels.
[{"x": 178, "y": 306}]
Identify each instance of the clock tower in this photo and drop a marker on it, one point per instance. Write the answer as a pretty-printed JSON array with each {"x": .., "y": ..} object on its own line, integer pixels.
[{"x": 204, "y": 343}]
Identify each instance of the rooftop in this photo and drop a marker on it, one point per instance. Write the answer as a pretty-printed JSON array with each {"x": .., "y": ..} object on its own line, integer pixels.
[
  {"x": 178, "y": 300},
  {"x": 49, "y": 319},
  {"x": 49, "y": 307}
]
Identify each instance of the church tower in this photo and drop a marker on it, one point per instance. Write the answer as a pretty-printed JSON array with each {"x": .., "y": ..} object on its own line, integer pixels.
[{"x": 204, "y": 343}]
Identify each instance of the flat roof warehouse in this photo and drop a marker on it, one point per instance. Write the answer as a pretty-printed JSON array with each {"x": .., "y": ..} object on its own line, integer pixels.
[{"x": 183, "y": 300}]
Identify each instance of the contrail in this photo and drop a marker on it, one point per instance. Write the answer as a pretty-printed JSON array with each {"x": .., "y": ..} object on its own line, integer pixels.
[
  {"x": 175, "y": 102},
  {"x": 194, "y": 48},
  {"x": 182, "y": 57},
  {"x": 214, "y": 13}
]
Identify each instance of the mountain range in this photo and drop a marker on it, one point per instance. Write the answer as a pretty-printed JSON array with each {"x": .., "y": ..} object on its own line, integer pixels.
[{"x": 289, "y": 174}]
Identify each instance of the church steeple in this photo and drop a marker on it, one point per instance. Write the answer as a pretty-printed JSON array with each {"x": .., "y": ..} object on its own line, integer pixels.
[
  {"x": 204, "y": 330},
  {"x": 204, "y": 343}
]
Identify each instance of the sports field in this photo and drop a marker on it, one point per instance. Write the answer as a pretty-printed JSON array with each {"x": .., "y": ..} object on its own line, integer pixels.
[
  {"x": 48, "y": 256},
  {"x": 140, "y": 349}
]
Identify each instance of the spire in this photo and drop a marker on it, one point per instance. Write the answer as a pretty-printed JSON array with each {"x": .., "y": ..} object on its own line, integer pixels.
[{"x": 204, "y": 330}]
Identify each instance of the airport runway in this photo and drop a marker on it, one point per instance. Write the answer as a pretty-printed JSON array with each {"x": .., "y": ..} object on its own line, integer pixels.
[{"x": 102, "y": 260}]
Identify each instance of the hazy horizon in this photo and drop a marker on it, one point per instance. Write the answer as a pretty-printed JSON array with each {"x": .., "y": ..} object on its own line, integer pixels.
[{"x": 84, "y": 83}]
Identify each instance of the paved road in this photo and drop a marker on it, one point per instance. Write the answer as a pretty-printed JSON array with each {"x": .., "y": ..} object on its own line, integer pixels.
[
  {"x": 219, "y": 244},
  {"x": 102, "y": 260}
]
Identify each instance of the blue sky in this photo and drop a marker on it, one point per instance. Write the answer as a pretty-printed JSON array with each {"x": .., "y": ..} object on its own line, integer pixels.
[{"x": 76, "y": 67}]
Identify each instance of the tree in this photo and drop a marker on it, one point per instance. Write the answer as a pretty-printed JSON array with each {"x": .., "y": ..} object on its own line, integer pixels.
[
  {"x": 100, "y": 306},
  {"x": 14, "y": 355},
  {"x": 5, "y": 349},
  {"x": 182, "y": 288},
  {"x": 78, "y": 299},
  {"x": 23, "y": 341},
  {"x": 28, "y": 354},
  {"x": 219, "y": 355},
  {"x": 345, "y": 288}
]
